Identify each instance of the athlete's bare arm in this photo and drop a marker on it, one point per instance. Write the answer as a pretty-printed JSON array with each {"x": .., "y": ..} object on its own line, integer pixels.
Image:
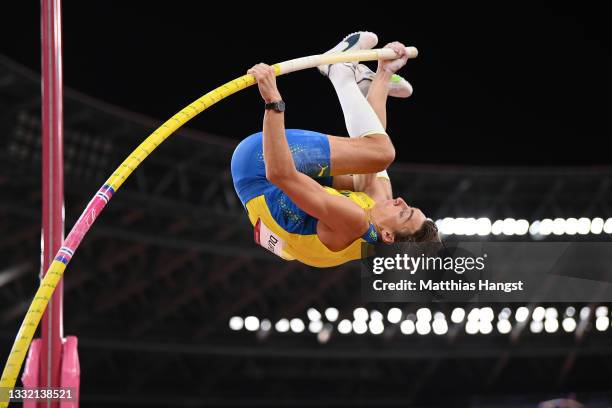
[{"x": 343, "y": 217}]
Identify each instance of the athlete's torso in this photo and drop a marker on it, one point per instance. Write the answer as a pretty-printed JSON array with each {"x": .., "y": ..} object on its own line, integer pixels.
[{"x": 282, "y": 223}]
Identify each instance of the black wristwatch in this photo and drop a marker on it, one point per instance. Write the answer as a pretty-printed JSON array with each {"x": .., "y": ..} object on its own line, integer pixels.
[{"x": 278, "y": 106}]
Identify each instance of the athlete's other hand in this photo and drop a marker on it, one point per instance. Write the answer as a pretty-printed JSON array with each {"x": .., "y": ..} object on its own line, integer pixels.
[
  {"x": 266, "y": 81},
  {"x": 392, "y": 66}
]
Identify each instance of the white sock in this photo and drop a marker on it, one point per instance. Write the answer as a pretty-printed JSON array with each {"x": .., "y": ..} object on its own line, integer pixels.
[{"x": 360, "y": 118}]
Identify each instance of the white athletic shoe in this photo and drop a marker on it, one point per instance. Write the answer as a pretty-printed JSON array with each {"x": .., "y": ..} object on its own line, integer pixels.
[
  {"x": 398, "y": 86},
  {"x": 360, "y": 40}
]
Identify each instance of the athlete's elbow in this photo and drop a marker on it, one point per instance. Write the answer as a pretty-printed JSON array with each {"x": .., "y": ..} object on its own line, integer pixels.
[
  {"x": 384, "y": 151},
  {"x": 276, "y": 177},
  {"x": 386, "y": 154}
]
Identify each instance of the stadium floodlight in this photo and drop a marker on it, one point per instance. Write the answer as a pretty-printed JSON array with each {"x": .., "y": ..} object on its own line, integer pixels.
[
  {"x": 331, "y": 314},
  {"x": 376, "y": 326},
  {"x": 505, "y": 313},
  {"x": 508, "y": 226},
  {"x": 360, "y": 326},
  {"x": 569, "y": 324},
  {"x": 297, "y": 325},
  {"x": 313, "y": 314},
  {"x": 471, "y": 327},
  {"x": 521, "y": 227},
  {"x": 483, "y": 226},
  {"x": 423, "y": 327},
  {"x": 485, "y": 326},
  {"x": 282, "y": 326},
  {"x": 424, "y": 314},
  {"x": 584, "y": 226},
  {"x": 497, "y": 227},
  {"x": 460, "y": 226},
  {"x": 607, "y": 228},
  {"x": 236, "y": 323},
  {"x": 447, "y": 226},
  {"x": 570, "y": 311},
  {"x": 538, "y": 314},
  {"x": 470, "y": 227},
  {"x": 522, "y": 313},
  {"x": 551, "y": 313},
  {"x": 458, "y": 315},
  {"x": 251, "y": 323},
  {"x": 360, "y": 314},
  {"x": 551, "y": 325},
  {"x": 439, "y": 326},
  {"x": 602, "y": 323},
  {"x": 559, "y": 226},
  {"x": 394, "y": 315},
  {"x": 571, "y": 226},
  {"x": 546, "y": 226},
  {"x": 486, "y": 314},
  {"x": 345, "y": 326},
  {"x": 315, "y": 326},
  {"x": 265, "y": 325},
  {"x": 601, "y": 311},
  {"x": 534, "y": 228},
  {"x": 536, "y": 326},
  {"x": 376, "y": 315},
  {"x": 407, "y": 327},
  {"x": 504, "y": 326},
  {"x": 474, "y": 314},
  {"x": 585, "y": 312},
  {"x": 597, "y": 225}
]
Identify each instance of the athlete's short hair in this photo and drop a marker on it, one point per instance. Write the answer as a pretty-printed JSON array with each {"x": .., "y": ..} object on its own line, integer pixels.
[{"x": 428, "y": 232}]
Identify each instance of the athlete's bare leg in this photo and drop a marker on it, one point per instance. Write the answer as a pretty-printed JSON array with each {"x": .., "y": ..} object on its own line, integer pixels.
[{"x": 362, "y": 155}]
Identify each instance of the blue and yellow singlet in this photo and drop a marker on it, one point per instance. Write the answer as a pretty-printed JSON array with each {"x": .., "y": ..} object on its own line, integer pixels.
[{"x": 280, "y": 225}]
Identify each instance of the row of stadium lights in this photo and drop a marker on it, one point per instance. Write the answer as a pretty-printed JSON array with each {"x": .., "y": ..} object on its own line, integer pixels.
[
  {"x": 510, "y": 226},
  {"x": 423, "y": 322}
]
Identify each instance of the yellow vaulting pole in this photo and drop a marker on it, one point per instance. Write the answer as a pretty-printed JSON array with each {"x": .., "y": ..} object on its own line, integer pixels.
[{"x": 104, "y": 194}]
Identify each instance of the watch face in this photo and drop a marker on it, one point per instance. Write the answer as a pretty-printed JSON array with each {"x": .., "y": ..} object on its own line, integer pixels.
[{"x": 280, "y": 106}]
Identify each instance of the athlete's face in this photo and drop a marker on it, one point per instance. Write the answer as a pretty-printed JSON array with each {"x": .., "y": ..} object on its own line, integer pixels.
[{"x": 398, "y": 217}]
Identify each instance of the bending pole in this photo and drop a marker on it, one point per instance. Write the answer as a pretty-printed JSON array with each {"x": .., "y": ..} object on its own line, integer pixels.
[
  {"x": 112, "y": 184},
  {"x": 53, "y": 190}
]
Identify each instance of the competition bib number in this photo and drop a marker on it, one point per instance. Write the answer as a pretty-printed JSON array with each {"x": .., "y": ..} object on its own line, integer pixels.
[{"x": 268, "y": 239}]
